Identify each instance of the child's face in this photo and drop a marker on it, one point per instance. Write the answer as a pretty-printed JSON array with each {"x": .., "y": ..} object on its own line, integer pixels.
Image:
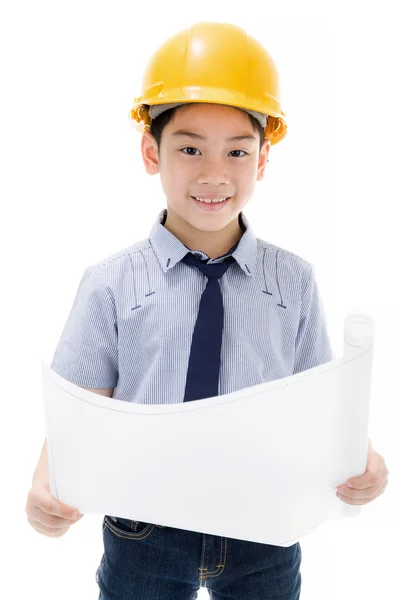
[{"x": 210, "y": 166}]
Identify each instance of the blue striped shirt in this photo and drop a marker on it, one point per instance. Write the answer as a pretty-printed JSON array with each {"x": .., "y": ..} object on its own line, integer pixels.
[{"x": 131, "y": 323}]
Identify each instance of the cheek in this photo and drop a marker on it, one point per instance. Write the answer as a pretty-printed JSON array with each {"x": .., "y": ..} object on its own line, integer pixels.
[
  {"x": 175, "y": 183},
  {"x": 176, "y": 164}
]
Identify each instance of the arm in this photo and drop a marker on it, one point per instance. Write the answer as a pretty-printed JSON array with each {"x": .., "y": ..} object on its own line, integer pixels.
[{"x": 312, "y": 347}]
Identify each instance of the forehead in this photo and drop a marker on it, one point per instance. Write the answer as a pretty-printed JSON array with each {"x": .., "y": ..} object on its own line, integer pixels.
[
  {"x": 189, "y": 120},
  {"x": 205, "y": 110}
]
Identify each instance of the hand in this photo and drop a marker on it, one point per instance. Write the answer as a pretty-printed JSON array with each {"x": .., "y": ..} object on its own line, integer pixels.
[
  {"x": 368, "y": 486},
  {"x": 46, "y": 514}
]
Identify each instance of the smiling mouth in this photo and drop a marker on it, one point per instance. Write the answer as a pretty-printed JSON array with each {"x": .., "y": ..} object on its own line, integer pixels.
[{"x": 219, "y": 202}]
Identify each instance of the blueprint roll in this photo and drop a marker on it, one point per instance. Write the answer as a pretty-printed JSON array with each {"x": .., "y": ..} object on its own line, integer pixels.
[
  {"x": 272, "y": 453},
  {"x": 357, "y": 356},
  {"x": 358, "y": 335}
]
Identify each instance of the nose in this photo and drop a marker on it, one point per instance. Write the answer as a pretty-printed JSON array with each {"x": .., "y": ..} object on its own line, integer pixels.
[{"x": 213, "y": 173}]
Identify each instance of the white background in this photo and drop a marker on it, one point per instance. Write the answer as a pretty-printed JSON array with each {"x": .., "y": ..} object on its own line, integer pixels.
[{"x": 74, "y": 190}]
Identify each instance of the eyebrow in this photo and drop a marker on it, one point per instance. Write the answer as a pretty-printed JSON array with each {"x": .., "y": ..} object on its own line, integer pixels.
[{"x": 191, "y": 134}]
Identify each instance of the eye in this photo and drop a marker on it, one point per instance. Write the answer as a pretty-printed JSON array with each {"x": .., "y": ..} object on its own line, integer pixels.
[
  {"x": 188, "y": 148},
  {"x": 239, "y": 151},
  {"x": 191, "y": 148}
]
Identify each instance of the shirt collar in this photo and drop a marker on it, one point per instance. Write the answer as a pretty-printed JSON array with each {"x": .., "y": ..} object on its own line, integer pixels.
[{"x": 170, "y": 250}]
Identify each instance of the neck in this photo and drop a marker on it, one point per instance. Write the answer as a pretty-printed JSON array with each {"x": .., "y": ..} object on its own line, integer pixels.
[{"x": 214, "y": 243}]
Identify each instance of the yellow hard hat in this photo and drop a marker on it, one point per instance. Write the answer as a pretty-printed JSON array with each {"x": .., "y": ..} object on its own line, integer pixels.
[{"x": 215, "y": 63}]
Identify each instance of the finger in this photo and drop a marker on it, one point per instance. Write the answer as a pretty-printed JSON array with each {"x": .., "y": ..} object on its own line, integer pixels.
[
  {"x": 50, "y": 505},
  {"x": 372, "y": 476},
  {"x": 383, "y": 486},
  {"x": 356, "y": 501},
  {"x": 366, "y": 493},
  {"x": 369, "y": 480},
  {"x": 360, "y": 497},
  {"x": 50, "y": 520},
  {"x": 48, "y": 531}
]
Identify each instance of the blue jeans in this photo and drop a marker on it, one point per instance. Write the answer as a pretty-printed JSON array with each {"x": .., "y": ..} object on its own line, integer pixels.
[{"x": 145, "y": 561}]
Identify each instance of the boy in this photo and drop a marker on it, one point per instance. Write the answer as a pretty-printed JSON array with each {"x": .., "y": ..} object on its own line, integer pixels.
[{"x": 146, "y": 324}]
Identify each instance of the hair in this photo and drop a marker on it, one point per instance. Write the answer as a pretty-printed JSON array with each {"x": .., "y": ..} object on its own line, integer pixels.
[{"x": 158, "y": 124}]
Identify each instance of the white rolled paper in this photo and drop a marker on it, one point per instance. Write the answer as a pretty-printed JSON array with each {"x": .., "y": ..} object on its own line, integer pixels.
[{"x": 260, "y": 464}]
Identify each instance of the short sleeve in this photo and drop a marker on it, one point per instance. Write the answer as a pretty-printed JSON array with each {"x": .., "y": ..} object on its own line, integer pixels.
[
  {"x": 87, "y": 352},
  {"x": 312, "y": 346}
]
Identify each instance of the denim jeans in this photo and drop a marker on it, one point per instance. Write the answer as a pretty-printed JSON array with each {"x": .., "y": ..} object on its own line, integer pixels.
[{"x": 145, "y": 561}]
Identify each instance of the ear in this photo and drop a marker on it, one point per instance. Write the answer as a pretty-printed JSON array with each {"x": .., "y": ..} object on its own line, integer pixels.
[
  {"x": 150, "y": 153},
  {"x": 263, "y": 159}
]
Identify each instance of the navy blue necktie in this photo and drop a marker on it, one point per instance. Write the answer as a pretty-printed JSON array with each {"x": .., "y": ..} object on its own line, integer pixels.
[{"x": 205, "y": 353}]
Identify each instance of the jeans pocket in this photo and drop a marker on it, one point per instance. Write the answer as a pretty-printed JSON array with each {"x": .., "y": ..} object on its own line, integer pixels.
[
  {"x": 131, "y": 525},
  {"x": 128, "y": 528}
]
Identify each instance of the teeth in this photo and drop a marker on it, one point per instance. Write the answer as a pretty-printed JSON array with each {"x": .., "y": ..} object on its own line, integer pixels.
[{"x": 208, "y": 201}]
